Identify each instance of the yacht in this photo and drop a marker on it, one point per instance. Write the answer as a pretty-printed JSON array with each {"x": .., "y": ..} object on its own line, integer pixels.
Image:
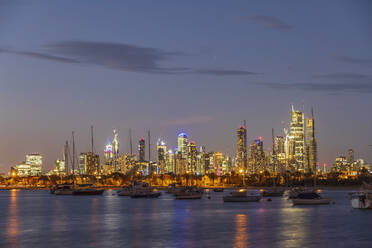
[
  {"x": 63, "y": 189},
  {"x": 144, "y": 190},
  {"x": 87, "y": 189},
  {"x": 242, "y": 195},
  {"x": 310, "y": 198},
  {"x": 189, "y": 193},
  {"x": 361, "y": 199}
]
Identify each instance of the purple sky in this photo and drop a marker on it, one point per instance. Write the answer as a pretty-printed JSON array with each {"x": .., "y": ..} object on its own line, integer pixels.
[{"x": 197, "y": 66}]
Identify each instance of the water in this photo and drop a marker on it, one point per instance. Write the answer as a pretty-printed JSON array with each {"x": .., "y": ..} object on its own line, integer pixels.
[{"x": 39, "y": 219}]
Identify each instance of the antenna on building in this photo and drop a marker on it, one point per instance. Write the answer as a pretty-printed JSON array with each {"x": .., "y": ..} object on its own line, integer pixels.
[{"x": 73, "y": 156}]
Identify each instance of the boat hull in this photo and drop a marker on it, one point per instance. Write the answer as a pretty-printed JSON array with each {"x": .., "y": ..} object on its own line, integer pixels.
[
  {"x": 323, "y": 201},
  {"x": 242, "y": 199},
  {"x": 88, "y": 192},
  {"x": 63, "y": 192},
  {"x": 146, "y": 195},
  {"x": 189, "y": 197},
  {"x": 358, "y": 204}
]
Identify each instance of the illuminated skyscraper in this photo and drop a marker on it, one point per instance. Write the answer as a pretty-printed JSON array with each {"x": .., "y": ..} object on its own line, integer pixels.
[
  {"x": 89, "y": 163},
  {"x": 170, "y": 162},
  {"x": 279, "y": 149},
  {"x": 182, "y": 144},
  {"x": 161, "y": 152},
  {"x": 257, "y": 156},
  {"x": 192, "y": 154},
  {"x": 296, "y": 139},
  {"x": 141, "y": 150},
  {"x": 32, "y": 166},
  {"x": 350, "y": 156},
  {"x": 241, "y": 152},
  {"x": 311, "y": 145}
]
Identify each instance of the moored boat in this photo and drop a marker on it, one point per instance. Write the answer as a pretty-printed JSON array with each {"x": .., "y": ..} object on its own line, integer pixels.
[
  {"x": 310, "y": 198},
  {"x": 273, "y": 192},
  {"x": 218, "y": 189},
  {"x": 143, "y": 190},
  {"x": 189, "y": 193},
  {"x": 63, "y": 189},
  {"x": 243, "y": 196},
  {"x": 361, "y": 199},
  {"x": 87, "y": 189}
]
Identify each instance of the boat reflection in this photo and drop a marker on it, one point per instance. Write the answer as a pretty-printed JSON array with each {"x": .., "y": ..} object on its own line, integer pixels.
[{"x": 241, "y": 232}]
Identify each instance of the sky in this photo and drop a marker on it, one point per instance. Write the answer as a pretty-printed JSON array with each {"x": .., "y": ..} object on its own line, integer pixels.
[{"x": 169, "y": 66}]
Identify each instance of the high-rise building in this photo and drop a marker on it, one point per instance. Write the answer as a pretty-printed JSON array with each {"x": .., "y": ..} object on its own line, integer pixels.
[
  {"x": 241, "y": 151},
  {"x": 311, "y": 146},
  {"x": 31, "y": 167},
  {"x": 279, "y": 150},
  {"x": 257, "y": 156},
  {"x": 218, "y": 159},
  {"x": 192, "y": 157},
  {"x": 141, "y": 150},
  {"x": 170, "y": 162},
  {"x": 108, "y": 158},
  {"x": 89, "y": 163},
  {"x": 128, "y": 164},
  {"x": 161, "y": 152},
  {"x": 59, "y": 167},
  {"x": 350, "y": 156},
  {"x": 296, "y": 139},
  {"x": 182, "y": 142}
]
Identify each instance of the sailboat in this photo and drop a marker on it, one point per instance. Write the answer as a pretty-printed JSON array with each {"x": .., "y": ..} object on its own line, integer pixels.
[
  {"x": 274, "y": 191},
  {"x": 65, "y": 189}
]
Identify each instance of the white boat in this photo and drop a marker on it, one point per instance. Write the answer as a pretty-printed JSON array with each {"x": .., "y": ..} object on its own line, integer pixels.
[
  {"x": 361, "y": 200},
  {"x": 243, "y": 196},
  {"x": 310, "y": 198}
]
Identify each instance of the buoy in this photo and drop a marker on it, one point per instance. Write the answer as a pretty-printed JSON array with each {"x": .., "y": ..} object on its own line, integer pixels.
[
  {"x": 209, "y": 197},
  {"x": 269, "y": 200}
]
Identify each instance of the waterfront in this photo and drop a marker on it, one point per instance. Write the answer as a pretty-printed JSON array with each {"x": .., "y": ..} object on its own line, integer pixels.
[{"x": 39, "y": 219}]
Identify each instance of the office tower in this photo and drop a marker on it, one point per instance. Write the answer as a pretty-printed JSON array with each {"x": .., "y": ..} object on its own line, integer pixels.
[
  {"x": 200, "y": 161},
  {"x": 350, "y": 156},
  {"x": 161, "y": 152},
  {"x": 241, "y": 152},
  {"x": 217, "y": 163},
  {"x": 311, "y": 145},
  {"x": 340, "y": 164},
  {"x": 279, "y": 149},
  {"x": 192, "y": 154},
  {"x": 170, "y": 162},
  {"x": 257, "y": 156},
  {"x": 182, "y": 142},
  {"x": 36, "y": 163},
  {"x": 108, "y": 158},
  {"x": 59, "y": 167},
  {"x": 141, "y": 150},
  {"x": 181, "y": 164},
  {"x": 89, "y": 163},
  {"x": 296, "y": 146},
  {"x": 128, "y": 164}
]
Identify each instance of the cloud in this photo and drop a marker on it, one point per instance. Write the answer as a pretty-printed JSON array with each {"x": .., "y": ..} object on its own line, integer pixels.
[
  {"x": 351, "y": 60},
  {"x": 119, "y": 56},
  {"x": 198, "y": 119},
  {"x": 342, "y": 83},
  {"x": 269, "y": 22},
  {"x": 223, "y": 72}
]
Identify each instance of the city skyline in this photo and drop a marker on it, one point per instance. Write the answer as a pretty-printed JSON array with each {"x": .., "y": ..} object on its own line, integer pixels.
[{"x": 202, "y": 75}]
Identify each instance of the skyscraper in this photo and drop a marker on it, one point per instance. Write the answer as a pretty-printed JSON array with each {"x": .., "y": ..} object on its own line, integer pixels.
[
  {"x": 241, "y": 151},
  {"x": 141, "y": 150},
  {"x": 257, "y": 156},
  {"x": 170, "y": 162},
  {"x": 311, "y": 145},
  {"x": 161, "y": 152},
  {"x": 350, "y": 156},
  {"x": 89, "y": 163},
  {"x": 192, "y": 154},
  {"x": 296, "y": 143},
  {"x": 182, "y": 144}
]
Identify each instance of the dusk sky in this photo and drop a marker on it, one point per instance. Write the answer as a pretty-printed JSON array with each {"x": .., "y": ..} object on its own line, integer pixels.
[{"x": 195, "y": 66}]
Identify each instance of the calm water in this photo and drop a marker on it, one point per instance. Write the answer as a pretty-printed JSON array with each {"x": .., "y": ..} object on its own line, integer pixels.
[{"x": 39, "y": 219}]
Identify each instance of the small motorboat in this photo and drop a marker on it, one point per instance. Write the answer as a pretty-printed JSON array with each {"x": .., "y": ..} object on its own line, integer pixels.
[
  {"x": 126, "y": 191},
  {"x": 310, "y": 198},
  {"x": 361, "y": 200},
  {"x": 87, "y": 189},
  {"x": 189, "y": 193},
  {"x": 243, "y": 195},
  {"x": 295, "y": 191}
]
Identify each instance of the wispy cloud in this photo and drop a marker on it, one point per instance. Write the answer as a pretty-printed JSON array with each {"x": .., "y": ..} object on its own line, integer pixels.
[
  {"x": 223, "y": 72},
  {"x": 191, "y": 120},
  {"x": 353, "y": 60},
  {"x": 119, "y": 56},
  {"x": 269, "y": 22},
  {"x": 340, "y": 83}
]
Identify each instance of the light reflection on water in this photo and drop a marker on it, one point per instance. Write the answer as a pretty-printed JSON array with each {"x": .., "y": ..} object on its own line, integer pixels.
[{"x": 39, "y": 219}]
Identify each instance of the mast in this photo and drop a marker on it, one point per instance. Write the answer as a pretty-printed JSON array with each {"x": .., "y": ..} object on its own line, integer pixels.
[
  {"x": 150, "y": 168},
  {"x": 245, "y": 147},
  {"x": 130, "y": 141},
  {"x": 274, "y": 156},
  {"x": 91, "y": 135},
  {"x": 73, "y": 158}
]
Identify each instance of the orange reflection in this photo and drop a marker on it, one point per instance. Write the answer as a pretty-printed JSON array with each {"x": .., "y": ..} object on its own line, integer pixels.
[
  {"x": 241, "y": 234},
  {"x": 12, "y": 229}
]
